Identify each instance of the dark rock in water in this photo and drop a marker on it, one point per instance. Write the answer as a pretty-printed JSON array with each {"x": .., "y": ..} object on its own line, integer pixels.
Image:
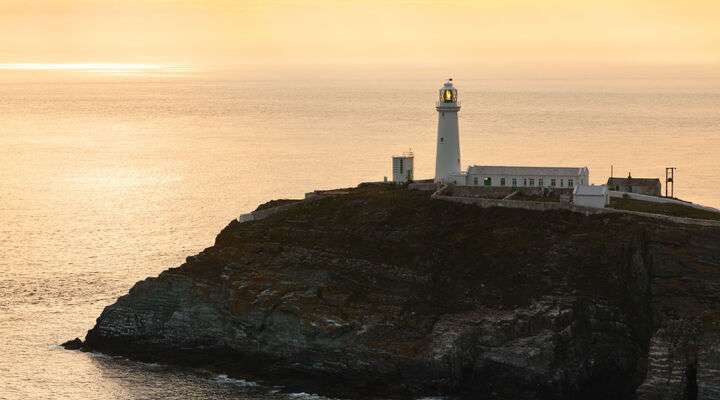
[
  {"x": 75, "y": 344},
  {"x": 386, "y": 292}
]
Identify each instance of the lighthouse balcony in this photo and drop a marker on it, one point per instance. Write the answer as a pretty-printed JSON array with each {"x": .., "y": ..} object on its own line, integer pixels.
[
  {"x": 443, "y": 106},
  {"x": 442, "y": 103},
  {"x": 448, "y": 104}
]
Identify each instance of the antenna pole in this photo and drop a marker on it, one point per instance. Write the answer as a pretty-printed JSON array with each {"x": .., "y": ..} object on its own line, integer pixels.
[{"x": 670, "y": 181}]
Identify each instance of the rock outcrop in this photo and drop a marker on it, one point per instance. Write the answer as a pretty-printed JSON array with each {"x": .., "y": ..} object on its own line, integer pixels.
[
  {"x": 384, "y": 291},
  {"x": 74, "y": 344}
]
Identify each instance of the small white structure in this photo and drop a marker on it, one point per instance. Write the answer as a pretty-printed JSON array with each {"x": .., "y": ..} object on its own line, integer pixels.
[
  {"x": 447, "y": 159},
  {"x": 591, "y": 196},
  {"x": 402, "y": 167},
  {"x": 543, "y": 177}
]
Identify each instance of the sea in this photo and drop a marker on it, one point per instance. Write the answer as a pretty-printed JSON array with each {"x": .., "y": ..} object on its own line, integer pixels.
[{"x": 106, "y": 179}]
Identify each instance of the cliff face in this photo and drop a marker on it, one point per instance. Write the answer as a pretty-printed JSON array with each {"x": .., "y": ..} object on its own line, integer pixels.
[{"x": 385, "y": 291}]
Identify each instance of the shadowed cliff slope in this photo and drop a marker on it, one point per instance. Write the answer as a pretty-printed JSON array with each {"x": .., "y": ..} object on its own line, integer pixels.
[{"x": 386, "y": 292}]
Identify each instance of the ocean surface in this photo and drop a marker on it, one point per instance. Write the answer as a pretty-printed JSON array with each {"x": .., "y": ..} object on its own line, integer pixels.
[{"x": 107, "y": 181}]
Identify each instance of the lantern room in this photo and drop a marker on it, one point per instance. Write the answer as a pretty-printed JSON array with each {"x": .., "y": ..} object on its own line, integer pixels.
[{"x": 448, "y": 93}]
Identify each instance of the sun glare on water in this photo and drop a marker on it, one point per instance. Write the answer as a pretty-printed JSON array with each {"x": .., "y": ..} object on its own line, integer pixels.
[{"x": 106, "y": 68}]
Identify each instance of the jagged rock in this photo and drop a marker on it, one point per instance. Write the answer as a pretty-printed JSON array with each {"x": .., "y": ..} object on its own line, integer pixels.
[
  {"x": 384, "y": 291},
  {"x": 75, "y": 344}
]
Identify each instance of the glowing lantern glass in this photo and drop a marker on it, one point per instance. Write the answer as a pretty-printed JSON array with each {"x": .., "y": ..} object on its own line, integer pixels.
[{"x": 448, "y": 96}]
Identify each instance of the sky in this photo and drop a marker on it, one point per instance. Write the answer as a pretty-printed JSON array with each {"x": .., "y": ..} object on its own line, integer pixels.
[{"x": 223, "y": 33}]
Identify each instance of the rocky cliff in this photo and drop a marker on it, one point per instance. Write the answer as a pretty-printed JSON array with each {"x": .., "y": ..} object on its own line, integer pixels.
[{"x": 386, "y": 292}]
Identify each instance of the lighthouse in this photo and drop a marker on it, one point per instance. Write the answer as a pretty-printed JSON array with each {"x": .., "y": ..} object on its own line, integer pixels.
[{"x": 447, "y": 158}]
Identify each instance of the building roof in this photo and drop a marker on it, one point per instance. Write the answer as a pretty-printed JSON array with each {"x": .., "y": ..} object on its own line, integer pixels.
[
  {"x": 524, "y": 171},
  {"x": 633, "y": 181},
  {"x": 407, "y": 154},
  {"x": 592, "y": 190}
]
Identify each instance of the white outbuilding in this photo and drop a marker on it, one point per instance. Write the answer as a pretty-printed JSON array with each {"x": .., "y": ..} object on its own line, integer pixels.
[
  {"x": 403, "y": 167},
  {"x": 591, "y": 196}
]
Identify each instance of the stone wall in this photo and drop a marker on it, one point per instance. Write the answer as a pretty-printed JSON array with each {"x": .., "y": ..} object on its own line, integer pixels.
[
  {"x": 489, "y": 192},
  {"x": 319, "y": 194},
  {"x": 501, "y": 192},
  {"x": 311, "y": 196},
  {"x": 526, "y": 205},
  {"x": 423, "y": 185}
]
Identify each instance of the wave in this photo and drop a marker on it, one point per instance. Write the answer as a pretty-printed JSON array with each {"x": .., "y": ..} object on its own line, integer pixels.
[
  {"x": 307, "y": 396},
  {"x": 222, "y": 378}
]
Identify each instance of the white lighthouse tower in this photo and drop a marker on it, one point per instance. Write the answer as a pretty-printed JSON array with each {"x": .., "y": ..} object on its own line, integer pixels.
[{"x": 447, "y": 158}]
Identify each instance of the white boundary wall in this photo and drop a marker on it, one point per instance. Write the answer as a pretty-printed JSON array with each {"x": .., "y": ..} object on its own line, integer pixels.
[{"x": 661, "y": 200}]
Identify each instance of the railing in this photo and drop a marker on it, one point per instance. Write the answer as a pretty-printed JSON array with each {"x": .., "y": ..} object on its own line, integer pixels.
[{"x": 442, "y": 104}]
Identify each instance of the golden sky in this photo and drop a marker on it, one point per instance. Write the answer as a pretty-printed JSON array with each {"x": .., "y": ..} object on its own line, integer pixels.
[{"x": 225, "y": 33}]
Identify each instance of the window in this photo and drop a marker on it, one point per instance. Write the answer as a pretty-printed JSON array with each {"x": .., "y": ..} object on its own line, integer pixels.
[
  {"x": 502, "y": 181},
  {"x": 442, "y": 139},
  {"x": 540, "y": 182},
  {"x": 525, "y": 182},
  {"x": 532, "y": 182},
  {"x": 570, "y": 183},
  {"x": 562, "y": 182},
  {"x": 514, "y": 182},
  {"x": 487, "y": 181},
  {"x": 552, "y": 182},
  {"x": 401, "y": 165},
  {"x": 475, "y": 180}
]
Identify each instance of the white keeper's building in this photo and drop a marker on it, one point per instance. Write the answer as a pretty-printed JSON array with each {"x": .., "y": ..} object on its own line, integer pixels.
[{"x": 551, "y": 177}]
